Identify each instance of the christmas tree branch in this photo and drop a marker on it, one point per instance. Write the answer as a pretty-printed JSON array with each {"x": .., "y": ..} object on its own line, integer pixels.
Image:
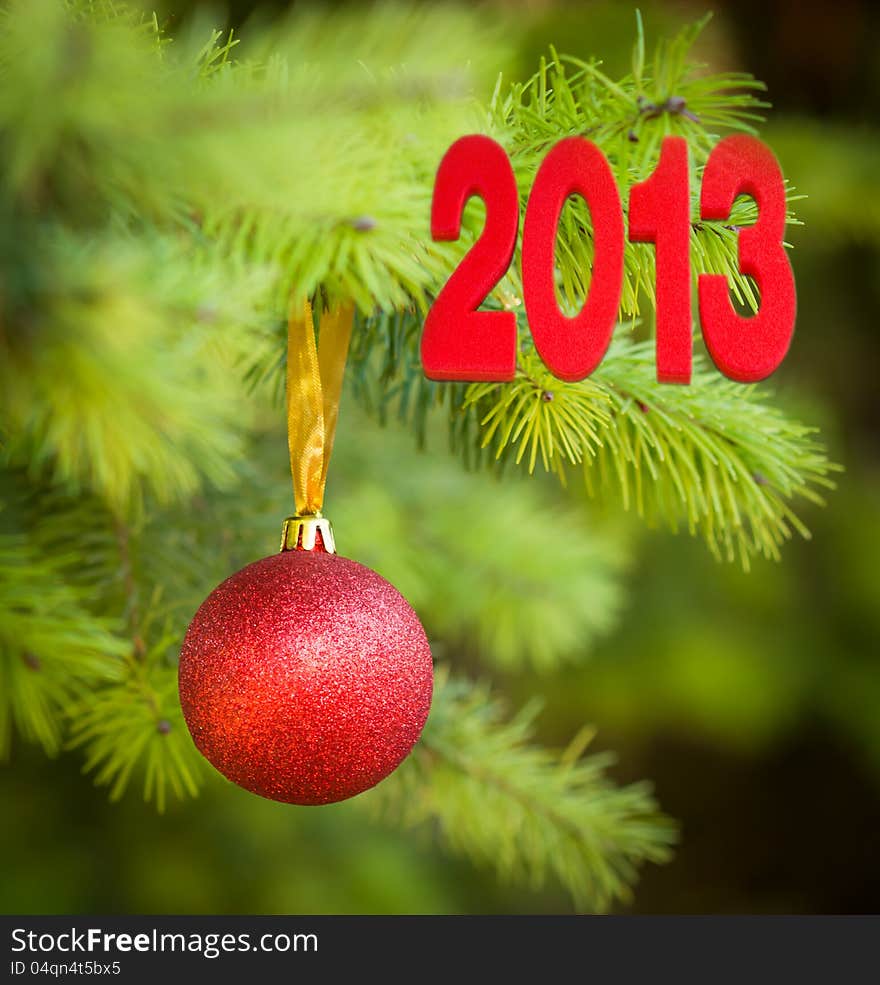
[
  {"x": 114, "y": 692},
  {"x": 138, "y": 724},
  {"x": 118, "y": 367},
  {"x": 51, "y": 648},
  {"x": 628, "y": 119},
  {"x": 711, "y": 454},
  {"x": 714, "y": 457},
  {"x": 498, "y": 799}
]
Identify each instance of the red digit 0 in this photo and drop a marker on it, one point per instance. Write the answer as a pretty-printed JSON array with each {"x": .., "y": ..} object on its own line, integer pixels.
[
  {"x": 659, "y": 213},
  {"x": 748, "y": 349},
  {"x": 572, "y": 347},
  {"x": 459, "y": 342}
]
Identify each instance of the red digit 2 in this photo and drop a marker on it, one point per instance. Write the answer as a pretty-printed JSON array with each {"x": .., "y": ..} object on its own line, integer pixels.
[
  {"x": 458, "y": 341},
  {"x": 748, "y": 349},
  {"x": 572, "y": 347}
]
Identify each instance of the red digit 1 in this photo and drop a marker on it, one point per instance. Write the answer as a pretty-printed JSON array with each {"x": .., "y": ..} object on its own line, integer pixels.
[
  {"x": 572, "y": 347},
  {"x": 748, "y": 349},
  {"x": 459, "y": 342},
  {"x": 659, "y": 213}
]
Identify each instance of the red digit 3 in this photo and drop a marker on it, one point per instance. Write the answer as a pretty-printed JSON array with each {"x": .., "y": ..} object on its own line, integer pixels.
[{"x": 748, "y": 349}]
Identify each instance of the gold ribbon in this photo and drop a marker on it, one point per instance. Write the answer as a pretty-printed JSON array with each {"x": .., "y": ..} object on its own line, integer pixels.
[{"x": 314, "y": 386}]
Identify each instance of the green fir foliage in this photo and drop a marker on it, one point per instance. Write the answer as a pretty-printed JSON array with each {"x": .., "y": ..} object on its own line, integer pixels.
[{"x": 498, "y": 798}]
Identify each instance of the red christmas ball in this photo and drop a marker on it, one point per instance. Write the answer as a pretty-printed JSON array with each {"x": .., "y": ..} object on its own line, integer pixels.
[{"x": 305, "y": 677}]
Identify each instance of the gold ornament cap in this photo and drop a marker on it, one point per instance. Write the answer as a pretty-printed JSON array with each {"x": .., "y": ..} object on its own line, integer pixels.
[{"x": 300, "y": 531}]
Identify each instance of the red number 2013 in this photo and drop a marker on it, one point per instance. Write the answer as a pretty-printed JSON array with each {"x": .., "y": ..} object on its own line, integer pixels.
[{"x": 460, "y": 342}]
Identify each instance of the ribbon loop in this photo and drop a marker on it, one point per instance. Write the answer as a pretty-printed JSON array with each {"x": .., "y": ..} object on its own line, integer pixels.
[{"x": 314, "y": 386}]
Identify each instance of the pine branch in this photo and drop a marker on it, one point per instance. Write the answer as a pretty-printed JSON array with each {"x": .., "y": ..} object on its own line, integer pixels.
[
  {"x": 109, "y": 126},
  {"x": 715, "y": 457},
  {"x": 710, "y": 454},
  {"x": 628, "y": 119},
  {"x": 51, "y": 648},
  {"x": 138, "y": 724},
  {"x": 498, "y": 799},
  {"x": 126, "y": 718},
  {"x": 119, "y": 375}
]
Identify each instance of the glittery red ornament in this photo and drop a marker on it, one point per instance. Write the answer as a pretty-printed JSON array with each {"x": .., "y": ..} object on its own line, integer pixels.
[{"x": 305, "y": 677}]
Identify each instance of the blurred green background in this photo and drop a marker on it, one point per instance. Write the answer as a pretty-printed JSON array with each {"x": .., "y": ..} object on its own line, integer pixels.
[{"x": 751, "y": 700}]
